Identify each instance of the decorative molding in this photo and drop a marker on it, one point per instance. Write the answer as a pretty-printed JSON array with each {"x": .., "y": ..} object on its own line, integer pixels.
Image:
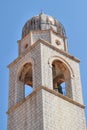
[
  {"x": 48, "y": 90},
  {"x": 47, "y": 44}
]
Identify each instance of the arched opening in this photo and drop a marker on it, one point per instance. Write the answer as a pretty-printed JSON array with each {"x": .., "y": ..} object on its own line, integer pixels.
[
  {"x": 61, "y": 78},
  {"x": 26, "y": 80}
]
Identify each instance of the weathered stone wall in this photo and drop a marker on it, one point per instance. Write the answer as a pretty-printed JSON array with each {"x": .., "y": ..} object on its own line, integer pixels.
[
  {"x": 28, "y": 116},
  {"x": 44, "y": 109},
  {"x": 59, "y": 114},
  {"x": 24, "y": 43},
  {"x": 47, "y": 35},
  {"x": 31, "y": 38},
  {"x": 55, "y": 38}
]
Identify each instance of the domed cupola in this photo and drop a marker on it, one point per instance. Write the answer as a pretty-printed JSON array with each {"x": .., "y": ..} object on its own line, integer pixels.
[{"x": 43, "y": 22}]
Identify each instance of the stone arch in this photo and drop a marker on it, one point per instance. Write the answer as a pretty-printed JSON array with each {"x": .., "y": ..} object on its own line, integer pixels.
[
  {"x": 30, "y": 60},
  {"x": 51, "y": 59},
  {"x": 26, "y": 74},
  {"x": 61, "y": 74},
  {"x": 24, "y": 79}
]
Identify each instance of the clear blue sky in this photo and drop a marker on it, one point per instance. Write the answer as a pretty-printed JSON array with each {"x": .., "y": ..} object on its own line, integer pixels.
[{"x": 13, "y": 15}]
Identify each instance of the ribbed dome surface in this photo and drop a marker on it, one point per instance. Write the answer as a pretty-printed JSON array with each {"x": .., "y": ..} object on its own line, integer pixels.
[{"x": 43, "y": 22}]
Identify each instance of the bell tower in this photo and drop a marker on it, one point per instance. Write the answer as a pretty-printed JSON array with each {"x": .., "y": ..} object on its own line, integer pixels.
[{"x": 45, "y": 66}]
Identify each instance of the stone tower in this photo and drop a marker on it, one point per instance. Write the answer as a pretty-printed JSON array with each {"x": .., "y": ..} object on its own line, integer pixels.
[{"x": 45, "y": 65}]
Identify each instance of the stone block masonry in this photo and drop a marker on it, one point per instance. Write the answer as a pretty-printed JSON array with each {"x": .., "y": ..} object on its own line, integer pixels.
[{"x": 45, "y": 109}]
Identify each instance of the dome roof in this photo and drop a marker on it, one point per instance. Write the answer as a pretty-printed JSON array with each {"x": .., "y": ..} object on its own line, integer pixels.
[{"x": 43, "y": 22}]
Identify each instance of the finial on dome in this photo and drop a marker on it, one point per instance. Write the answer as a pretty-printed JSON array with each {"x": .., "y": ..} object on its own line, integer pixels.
[{"x": 42, "y": 11}]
